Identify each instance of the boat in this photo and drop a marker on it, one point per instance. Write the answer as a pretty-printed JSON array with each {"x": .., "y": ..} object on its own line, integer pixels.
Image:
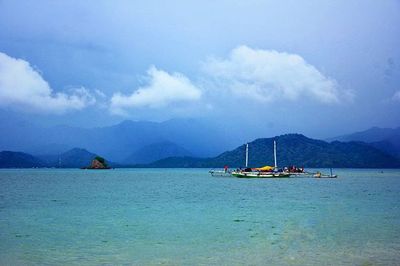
[
  {"x": 296, "y": 171},
  {"x": 263, "y": 172},
  {"x": 221, "y": 173},
  {"x": 321, "y": 175}
]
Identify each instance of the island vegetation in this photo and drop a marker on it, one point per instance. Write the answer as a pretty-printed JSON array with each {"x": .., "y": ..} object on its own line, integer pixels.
[{"x": 98, "y": 163}]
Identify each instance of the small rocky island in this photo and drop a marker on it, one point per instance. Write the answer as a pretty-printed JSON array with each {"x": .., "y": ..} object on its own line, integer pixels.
[{"x": 98, "y": 163}]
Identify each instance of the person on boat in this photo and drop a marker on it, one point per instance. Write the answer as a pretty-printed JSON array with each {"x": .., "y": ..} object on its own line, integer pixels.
[{"x": 226, "y": 168}]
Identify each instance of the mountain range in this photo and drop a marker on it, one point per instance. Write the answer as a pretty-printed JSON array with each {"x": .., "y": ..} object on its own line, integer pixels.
[
  {"x": 119, "y": 142},
  {"x": 187, "y": 142},
  {"x": 74, "y": 158},
  {"x": 385, "y": 139},
  {"x": 293, "y": 149},
  {"x": 11, "y": 159}
]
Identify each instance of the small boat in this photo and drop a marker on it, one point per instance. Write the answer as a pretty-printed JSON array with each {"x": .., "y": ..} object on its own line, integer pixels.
[
  {"x": 321, "y": 175},
  {"x": 221, "y": 173}
]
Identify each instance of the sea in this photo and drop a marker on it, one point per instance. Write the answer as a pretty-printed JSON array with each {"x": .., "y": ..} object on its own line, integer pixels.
[{"x": 188, "y": 217}]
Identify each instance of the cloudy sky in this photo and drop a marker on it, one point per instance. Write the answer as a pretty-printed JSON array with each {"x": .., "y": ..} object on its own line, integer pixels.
[{"x": 321, "y": 68}]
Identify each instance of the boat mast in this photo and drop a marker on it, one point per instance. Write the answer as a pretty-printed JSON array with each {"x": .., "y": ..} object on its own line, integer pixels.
[
  {"x": 247, "y": 154},
  {"x": 276, "y": 166}
]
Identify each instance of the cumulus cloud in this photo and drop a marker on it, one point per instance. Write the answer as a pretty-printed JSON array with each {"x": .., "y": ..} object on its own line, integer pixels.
[
  {"x": 163, "y": 89},
  {"x": 21, "y": 87},
  {"x": 267, "y": 75}
]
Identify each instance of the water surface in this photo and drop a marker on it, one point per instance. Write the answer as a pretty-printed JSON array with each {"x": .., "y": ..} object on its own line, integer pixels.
[{"x": 187, "y": 217}]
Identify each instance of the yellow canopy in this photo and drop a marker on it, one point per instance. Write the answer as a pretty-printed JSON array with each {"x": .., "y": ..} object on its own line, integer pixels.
[{"x": 265, "y": 168}]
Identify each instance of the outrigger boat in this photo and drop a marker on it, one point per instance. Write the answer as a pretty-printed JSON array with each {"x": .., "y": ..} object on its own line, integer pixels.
[
  {"x": 221, "y": 173},
  {"x": 263, "y": 172}
]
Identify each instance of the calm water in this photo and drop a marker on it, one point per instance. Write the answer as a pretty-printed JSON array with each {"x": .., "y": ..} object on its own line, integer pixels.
[{"x": 186, "y": 217}]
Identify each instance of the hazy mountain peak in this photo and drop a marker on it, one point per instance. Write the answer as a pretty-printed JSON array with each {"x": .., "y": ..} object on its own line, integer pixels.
[{"x": 157, "y": 151}]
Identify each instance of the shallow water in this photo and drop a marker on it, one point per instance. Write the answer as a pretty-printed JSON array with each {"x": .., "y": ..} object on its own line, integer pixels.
[{"x": 187, "y": 217}]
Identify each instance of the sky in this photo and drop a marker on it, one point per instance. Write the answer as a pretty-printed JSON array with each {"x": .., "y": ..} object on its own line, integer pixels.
[{"x": 321, "y": 68}]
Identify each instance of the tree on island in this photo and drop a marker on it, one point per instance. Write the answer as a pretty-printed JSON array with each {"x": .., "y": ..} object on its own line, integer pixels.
[{"x": 101, "y": 160}]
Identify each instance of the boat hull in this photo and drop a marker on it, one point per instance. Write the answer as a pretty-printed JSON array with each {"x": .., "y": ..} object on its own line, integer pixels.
[
  {"x": 325, "y": 176},
  {"x": 260, "y": 175}
]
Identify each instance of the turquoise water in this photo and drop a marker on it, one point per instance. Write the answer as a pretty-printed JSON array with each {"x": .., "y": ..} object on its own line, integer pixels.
[{"x": 186, "y": 217}]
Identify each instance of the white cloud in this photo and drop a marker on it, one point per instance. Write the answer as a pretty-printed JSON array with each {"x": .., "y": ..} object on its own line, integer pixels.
[
  {"x": 267, "y": 75},
  {"x": 163, "y": 90},
  {"x": 100, "y": 93},
  {"x": 396, "y": 96},
  {"x": 21, "y": 87}
]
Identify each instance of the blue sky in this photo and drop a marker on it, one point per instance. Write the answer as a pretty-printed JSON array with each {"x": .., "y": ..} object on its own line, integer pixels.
[{"x": 321, "y": 68}]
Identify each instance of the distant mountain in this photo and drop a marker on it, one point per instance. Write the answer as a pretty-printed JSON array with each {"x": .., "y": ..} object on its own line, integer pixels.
[
  {"x": 51, "y": 148},
  {"x": 116, "y": 142},
  {"x": 182, "y": 162},
  {"x": 156, "y": 151},
  {"x": 385, "y": 139},
  {"x": 390, "y": 146},
  {"x": 74, "y": 158},
  {"x": 373, "y": 134},
  {"x": 11, "y": 159},
  {"x": 293, "y": 149}
]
